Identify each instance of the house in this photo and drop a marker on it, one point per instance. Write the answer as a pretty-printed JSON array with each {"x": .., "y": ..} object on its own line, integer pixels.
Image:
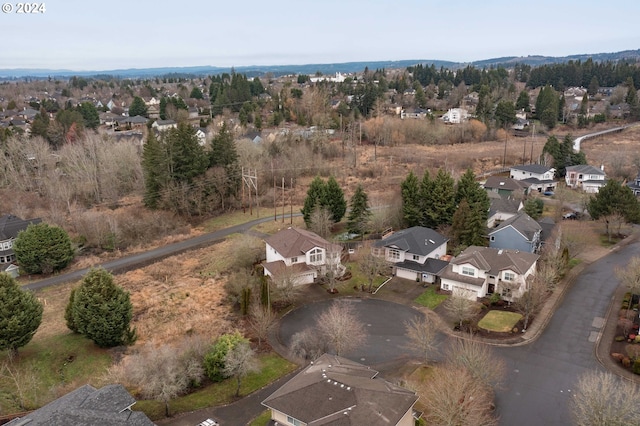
[
  {"x": 10, "y": 268},
  {"x": 339, "y": 78},
  {"x": 136, "y": 121},
  {"x": 201, "y": 134},
  {"x": 506, "y": 186},
  {"x": 501, "y": 208},
  {"x": 193, "y": 112},
  {"x": 455, "y": 116},
  {"x": 163, "y": 125},
  {"x": 539, "y": 177},
  {"x": 635, "y": 185},
  {"x": 588, "y": 178},
  {"x": 10, "y": 226},
  {"x": 303, "y": 253},
  {"x": 107, "y": 406},
  {"x": 415, "y": 253},
  {"x": 519, "y": 232},
  {"x": 414, "y": 113},
  {"x": 481, "y": 271},
  {"x": 334, "y": 390}
]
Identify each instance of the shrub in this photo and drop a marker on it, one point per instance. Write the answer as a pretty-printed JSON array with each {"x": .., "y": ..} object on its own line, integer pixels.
[
  {"x": 619, "y": 339},
  {"x": 43, "y": 249},
  {"x": 617, "y": 356},
  {"x": 626, "y": 362},
  {"x": 636, "y": 366},
  {"x": 214, "y": 359}
]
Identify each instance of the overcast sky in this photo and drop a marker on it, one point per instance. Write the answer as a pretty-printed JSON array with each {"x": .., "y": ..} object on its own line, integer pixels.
[{"x": 87, "y": 35}]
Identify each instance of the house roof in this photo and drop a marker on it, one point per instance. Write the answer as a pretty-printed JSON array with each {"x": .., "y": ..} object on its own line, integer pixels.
[
  {"x": 417, "y": 240},
  {"x": 165, "y": 122},
  {"x": 504, "y": 204},
  {"x": 506, "y": 183},
  {"x": 584, "y": 169},
  {"x": 108, "y": 406},
  {"x": 277, "y": 267},
  {"x": 521, "y": 222},
  {"x": 337, "y": 391},
  {"x": 493, "y": 260},
  {"x": 532, "y": 168},
  {"x": 430, "y": 266},
  {"x": 10, "y": 225},
  {"x": 293, "y": 242}
]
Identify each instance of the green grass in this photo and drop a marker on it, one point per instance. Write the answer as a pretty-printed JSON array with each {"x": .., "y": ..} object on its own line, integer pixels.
[
  {"x": 574, "y": 262},
  {"x": 272, "y": 367},
  {"x": 430, "y": 298},
  {"x": 236, "y": 218},
  {"x": 500, "y": 321},
  {"x": 68, "y": 359},
  {"x": 262, "y": 419},
  {"x": 358, "y": 278}
]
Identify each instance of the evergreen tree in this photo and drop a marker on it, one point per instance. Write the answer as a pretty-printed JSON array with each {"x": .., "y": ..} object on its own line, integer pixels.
[
  {"x": 316, "y": 197},
  {"x": 89, "y": 115},
  {"x": 138, "y": 107},
  {"x": 459, "y": 228},
  {"x": 547, "y": 106},
  {"x": 154, "y": 166},
  {"x": 196, "y": 93},
  {"x": 632, "y": 100},
  {"x": 534, "y": 207},
  {"x": 411, "y": 211},
  {"x": 505, "y": 113},
  {"x": 43, "y": 249},
  {"x": 425, "y": 193},
  {"x": 224, "y": 154},
  {"x": 612, "y": 200},
  {"x": 186, "y": 158},
  {"x": 102, "y": 311},
  {"x": 335, "y": 201},
  {"x": 523, "y": 102},
  {"x": 20, "y": 314},
  {"x": 594, "y": 86},
  {"x": 443, "y": 205},
  {"x": 359, "y": 214},
  {"x": 40, "y": 124}
]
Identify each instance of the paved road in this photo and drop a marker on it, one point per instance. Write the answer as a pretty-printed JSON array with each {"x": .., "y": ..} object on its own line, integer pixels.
[
  {"x": 128, "y": 263},
  {"x": 542, "y": 375}
]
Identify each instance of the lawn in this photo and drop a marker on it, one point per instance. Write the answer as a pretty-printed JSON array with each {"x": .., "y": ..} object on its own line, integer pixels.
[
  {"x": 430, "y": 298},
  {"x": 48, "y": 367},
  {"x": 272, "y": 368},
  {"x": 500, "y": 321},
  {"x": 262, "y": 419},
  {"x": 236, "y": 218}
]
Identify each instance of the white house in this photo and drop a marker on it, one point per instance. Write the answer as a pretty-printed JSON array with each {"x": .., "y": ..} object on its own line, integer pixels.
[
  {"x": 455, "y": 116},
  {"x": 588, "y": 178},
  {"x": 415, "y": 253},
  {"x": 302, "y": 253},
  {"x": 339, "y": 78},
  {"x": 481, "y": 271},
  {"x": 538, "y": 177},
  {"x": 163, "y": 125}
]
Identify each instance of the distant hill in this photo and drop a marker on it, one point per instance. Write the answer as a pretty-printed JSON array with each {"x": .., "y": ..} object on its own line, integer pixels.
[{"x": 311, "y": 69}]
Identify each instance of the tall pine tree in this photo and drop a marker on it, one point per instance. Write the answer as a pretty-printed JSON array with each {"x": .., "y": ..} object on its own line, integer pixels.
[
  {"x": 154, "y": 166},
  {"x": 442, "y": 202},
  {"x": 316, "y": 196},
  {"x": 335, "y": 201},
  {"x": 411, "y": 211},
  {"x": 359, "y": 214}
]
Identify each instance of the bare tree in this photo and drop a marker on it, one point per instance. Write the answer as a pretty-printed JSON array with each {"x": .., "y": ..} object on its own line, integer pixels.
[
  {"x": 247, "y": 251},
  {"x": 321, "y": 222},
  {"x": 285, "y": 286},
  {"x": 532, "y": 299},
  {"x": 460, "y": 308},
  {"x": 307, "y": 345},
  {"x": 339, "y": 327},
  {"x": 165, "y": 372},
  {"x": 371, "y": 266},
  {"x": 25, "y": 382},
  {"x": 576, "y": 237},
  {"x": 602, "y": 399},
  {"x": 478, "y": 359},
  {"x": 452, "y": 396},
  {"x": 421, "y": 332},
  {"x": 239, "y": 362},
  {"x": 262, "y": 320}
]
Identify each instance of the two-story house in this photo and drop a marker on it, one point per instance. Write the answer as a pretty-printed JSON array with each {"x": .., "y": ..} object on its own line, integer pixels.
[
  {"x": 302, "y": 253},
  {"x": 635, "y": 185},
  {"x": 415, "y": 253},
  {"x": 10, "y": 226},
  {"x": 539, "y": 177},
  {"x": 588, "y": 178},
  {"x": 334, "y": 390},
  {"x": 519, "y": 232},
  {"x": 481, "y": 271},
  {"x": 501, "y": 208}
]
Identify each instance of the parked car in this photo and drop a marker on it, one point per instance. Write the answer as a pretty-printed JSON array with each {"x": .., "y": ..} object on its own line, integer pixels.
[
  {"x": 547, "y": 193},
  {"x": 208, "y": 422},
  {"x": 570, "y": 215}
]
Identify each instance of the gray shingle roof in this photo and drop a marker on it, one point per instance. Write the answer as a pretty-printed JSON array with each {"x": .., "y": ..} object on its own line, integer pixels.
[
  {"x": 522, "y": 223},
  {"x": 107, "y": 406},
  {"x": 532, "y": 168},
  {"x": 506, "y": 183},
  {"x": 431, "y": 266},
  {"x": 336, "y": 391},
  {"x": 585, "y": 169},
  {"x": 503, "y": 204},
  {"x": 415, "y": 240},
  {"x": 10, "y": 225},
  {"x": 495, "y": 260}
]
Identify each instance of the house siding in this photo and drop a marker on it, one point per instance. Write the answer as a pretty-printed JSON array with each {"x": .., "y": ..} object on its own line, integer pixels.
[{"x": 509, "y": 238}]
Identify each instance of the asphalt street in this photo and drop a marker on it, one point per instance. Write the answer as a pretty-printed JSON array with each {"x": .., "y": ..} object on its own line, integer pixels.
[
  {"x": 142, "y": 259},
  {"x": 543, "y": 375}
]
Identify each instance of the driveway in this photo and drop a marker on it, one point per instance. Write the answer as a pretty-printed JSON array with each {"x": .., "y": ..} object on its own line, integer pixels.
[{"x": 385, "y": 348}]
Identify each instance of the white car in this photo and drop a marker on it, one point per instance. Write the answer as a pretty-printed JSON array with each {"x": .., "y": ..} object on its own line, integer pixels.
[{"x": 208, "y": 422}]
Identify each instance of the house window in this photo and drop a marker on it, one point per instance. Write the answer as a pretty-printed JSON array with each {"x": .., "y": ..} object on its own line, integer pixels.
[
  {"x": 294, "y": 422},
  {"x": 468, "y": 271},
  {"x": 416, "y": 257},
  {"x": 394, "y": 254},
  {"x": 1, "y": 259},
  {"x": 294, "y": 260},
  {"x": 509, "y": 276},
  {"x": 446, "y": 287},
  {"x": 315, "y": 255}
]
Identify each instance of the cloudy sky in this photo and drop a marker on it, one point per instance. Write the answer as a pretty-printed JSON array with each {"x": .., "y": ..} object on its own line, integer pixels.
[{"x": 87, "y": 35}]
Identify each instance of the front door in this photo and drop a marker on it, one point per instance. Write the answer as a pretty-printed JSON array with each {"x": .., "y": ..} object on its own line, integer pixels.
[{"x": 491, "y": 288}]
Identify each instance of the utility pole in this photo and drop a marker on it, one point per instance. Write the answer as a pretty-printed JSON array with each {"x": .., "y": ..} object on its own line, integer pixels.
[
  {"x": 282, "y": 199},
  {"x": 251, "y": 181}
]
